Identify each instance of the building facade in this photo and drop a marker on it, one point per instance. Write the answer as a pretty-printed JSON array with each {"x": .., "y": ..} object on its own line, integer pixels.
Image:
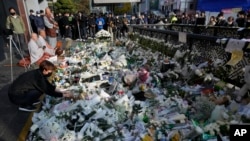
[{"x": 187, "y": 6}]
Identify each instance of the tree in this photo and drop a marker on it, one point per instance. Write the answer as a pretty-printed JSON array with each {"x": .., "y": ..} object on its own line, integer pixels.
[
  {"x": 82, "y": 5},
  {"x": 125, "y": 8},
  {"x": 64, "y": 6}
]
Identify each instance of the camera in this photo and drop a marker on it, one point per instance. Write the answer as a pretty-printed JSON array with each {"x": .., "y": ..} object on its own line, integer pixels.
[{"x": 8, "y": 32}]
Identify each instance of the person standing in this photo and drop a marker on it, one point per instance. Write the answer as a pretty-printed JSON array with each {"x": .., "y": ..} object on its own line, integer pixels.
[
  {"x": 66, "y": 24},
  {"x": 92, "y": 26},
  {"x": 110, "y": 23},
  {"x": 39, "y": 22},
  {"x": 32, "y": 18},
  {"x": 83, "y": 24},
  {"x": 51, "y": 27},
  {"x": 125, "y": 23},
  {"x": 118, "y": 27},
  {"x": 15, "y": 23},
  {"x": 26, "y": 90},
  {"x": 100, "y": 22},
  {"x": 241, "y": 19}
]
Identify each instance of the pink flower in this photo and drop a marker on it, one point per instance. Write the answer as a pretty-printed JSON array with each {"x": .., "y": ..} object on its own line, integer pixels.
[{"x": 143, "y": 74}]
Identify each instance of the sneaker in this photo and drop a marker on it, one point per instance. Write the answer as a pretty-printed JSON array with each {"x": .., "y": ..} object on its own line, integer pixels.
[
  {"x": 36, "y": 102},
  {"x": 28, "y": 108}
]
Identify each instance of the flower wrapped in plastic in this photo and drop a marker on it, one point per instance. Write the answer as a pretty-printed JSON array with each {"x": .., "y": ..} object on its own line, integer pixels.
[{"x": 51, "y": 129}]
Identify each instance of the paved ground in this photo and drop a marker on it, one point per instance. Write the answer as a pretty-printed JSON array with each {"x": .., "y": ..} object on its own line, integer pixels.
[{"x": 12, "y": 120}]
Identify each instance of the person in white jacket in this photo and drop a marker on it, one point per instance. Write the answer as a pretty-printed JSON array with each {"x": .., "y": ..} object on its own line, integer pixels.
[
  {"x": 37, "y": 53},
  {"x": 43, "y": 43}
]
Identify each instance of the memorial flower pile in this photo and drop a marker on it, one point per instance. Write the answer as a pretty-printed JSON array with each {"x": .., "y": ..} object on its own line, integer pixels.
[{"x": 129, "y": 93}]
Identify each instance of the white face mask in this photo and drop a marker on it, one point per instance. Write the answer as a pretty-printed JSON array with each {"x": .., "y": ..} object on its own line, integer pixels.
[
  {"x": 38, "y": 15},
  {"x": 15, "y": 16}
]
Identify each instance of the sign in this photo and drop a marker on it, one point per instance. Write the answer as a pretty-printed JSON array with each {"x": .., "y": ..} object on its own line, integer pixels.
[
  {"x": 230, "y": 11},
  {"x": 239, "y": 132},
  {"x": 182, "y": 37}
]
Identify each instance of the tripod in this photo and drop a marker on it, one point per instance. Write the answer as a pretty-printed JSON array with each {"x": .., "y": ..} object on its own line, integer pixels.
[{"x": 11, "y": 41}]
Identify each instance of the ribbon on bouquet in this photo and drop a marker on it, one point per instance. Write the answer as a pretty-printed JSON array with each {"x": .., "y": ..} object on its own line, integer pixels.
[{"x": 235, "y": 46}]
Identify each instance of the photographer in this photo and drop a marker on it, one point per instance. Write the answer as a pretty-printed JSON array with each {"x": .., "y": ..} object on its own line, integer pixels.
[{"x": 15, "y": 23}]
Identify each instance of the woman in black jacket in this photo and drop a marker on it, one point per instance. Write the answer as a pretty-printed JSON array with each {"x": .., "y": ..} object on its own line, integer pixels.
[{"x": 26, "y": 90}]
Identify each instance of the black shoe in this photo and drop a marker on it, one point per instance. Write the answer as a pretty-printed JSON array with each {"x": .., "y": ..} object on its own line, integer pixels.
[
  {"x": 36, "y": 102},
  {"x": 28, "y": 108}
]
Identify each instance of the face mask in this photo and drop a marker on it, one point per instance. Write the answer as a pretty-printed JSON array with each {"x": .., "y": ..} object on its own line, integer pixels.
[
  {"x": 12, "y": 13},
  {"x": 48, "y": 75},
  {"x": 38, "y": 15}
]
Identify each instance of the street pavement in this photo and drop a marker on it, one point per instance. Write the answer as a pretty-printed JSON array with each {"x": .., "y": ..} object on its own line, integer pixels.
[{"x": 12, "y": 120}]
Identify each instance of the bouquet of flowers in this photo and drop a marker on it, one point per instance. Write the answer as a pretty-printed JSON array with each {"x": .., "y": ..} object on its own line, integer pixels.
[
  {"x": 218, "y": 127},
  {"x": 103, "y": 35},
  {"x": 202, "y": 108}
]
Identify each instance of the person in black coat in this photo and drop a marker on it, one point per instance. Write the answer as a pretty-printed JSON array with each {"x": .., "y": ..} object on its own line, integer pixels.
[
  {"x": 32, "y": 18},
  {"x": 83, "y": 24},
  {"x": 39, "y": 22},
  {"x": 117, "y": 27},
  {"x": 66, "y": 25},
  {"x": 26, "y": 90},
  {"x": 92, "y": 25}
]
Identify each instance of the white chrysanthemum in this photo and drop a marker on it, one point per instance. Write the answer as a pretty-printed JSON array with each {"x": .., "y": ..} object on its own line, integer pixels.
[{"x": 102, "y": 33}]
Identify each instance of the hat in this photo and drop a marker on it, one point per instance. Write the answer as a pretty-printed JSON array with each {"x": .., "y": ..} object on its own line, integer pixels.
[{"x": 37, "y": 12}]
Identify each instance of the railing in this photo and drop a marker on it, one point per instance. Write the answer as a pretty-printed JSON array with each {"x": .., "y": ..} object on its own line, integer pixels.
[
  {"x": 218, "y": 31},
  {"x": 203, "y": 39}
]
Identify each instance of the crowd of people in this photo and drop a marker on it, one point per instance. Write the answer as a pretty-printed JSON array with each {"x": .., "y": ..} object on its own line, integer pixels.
[
  {"x": 242, "y": 19},
  {"x": 43, "y": 40},
  {"x": 83, "y": 26}
]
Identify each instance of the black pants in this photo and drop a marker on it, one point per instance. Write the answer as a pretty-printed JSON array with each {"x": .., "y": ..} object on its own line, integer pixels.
[{"x": 27, "y": 98}]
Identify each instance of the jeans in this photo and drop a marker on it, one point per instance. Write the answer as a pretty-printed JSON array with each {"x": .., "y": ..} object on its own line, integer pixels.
[{"x": 28, "y": 98}]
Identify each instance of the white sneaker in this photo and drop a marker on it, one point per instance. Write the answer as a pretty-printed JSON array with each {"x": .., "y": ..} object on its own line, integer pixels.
[{"x": 29, "y": 108}]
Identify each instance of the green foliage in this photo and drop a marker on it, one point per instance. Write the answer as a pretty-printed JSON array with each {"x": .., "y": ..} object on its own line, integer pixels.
[
  {"x": 82, "y": 5},
  {"x": 65, "y": 6}
]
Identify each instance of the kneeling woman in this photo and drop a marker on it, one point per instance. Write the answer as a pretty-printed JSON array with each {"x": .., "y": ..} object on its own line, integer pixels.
[{"x": 26, "y": 90}]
